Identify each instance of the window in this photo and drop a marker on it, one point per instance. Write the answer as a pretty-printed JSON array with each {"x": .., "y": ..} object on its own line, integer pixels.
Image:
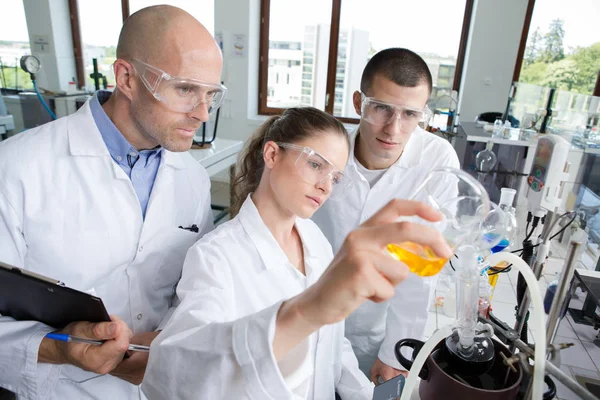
[
  {"x": 558, "y": 47},
  {"x": 360, "y": 38},
  {"x": 285, "y": 45},
  {"x": 100, "y": 27},
  {"x": 202, "y": 10},
  {"x": 337, "y": 45},
  {"x": 298, "y": 28},
  {"x": 446, "y": 71},
  {"x": 14, "y": 43}
]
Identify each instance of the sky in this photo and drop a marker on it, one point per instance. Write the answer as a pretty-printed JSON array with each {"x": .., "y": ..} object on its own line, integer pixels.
[
  {"x": 100, "y": 26},
  {"x": 581, "y": 20},
  {"x": 389, "y": 22}
]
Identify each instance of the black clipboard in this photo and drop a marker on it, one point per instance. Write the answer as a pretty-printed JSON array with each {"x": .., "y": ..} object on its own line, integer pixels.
[
  {"x": 26, "y": 296},
  {"x": 390, "y": 389}
]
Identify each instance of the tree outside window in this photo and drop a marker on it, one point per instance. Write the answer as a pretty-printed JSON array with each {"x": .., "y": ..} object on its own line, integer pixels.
[{"x": 563, "y": 48}]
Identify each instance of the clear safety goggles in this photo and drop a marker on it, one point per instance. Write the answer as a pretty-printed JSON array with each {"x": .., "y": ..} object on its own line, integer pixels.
[
  {"x": 179, "y": 94},
  {"x": 314, "y": 169},
  {"x": 379, "y": 113}
]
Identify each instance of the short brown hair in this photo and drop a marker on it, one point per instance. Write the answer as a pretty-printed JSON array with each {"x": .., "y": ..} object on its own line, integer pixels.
[{"x": 401, "y": 66}]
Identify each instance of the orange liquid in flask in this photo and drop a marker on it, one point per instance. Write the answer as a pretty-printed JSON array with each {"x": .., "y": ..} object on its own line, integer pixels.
[{"x": 420, "y": 260}]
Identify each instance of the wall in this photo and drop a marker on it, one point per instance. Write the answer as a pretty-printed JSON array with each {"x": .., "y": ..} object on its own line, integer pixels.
[
  {"x": 496, "y": 29},
  {"x": 50, "y": 20},
  {"x": 358, "y": 49},
  {"x": 240, "y": 74}
]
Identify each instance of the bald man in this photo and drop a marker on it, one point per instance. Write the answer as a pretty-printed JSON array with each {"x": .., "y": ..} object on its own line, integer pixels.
[{"x": 108, "y": 201}]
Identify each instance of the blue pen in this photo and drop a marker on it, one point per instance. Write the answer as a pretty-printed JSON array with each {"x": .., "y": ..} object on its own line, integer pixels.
[{"x": 64, "y": 337}]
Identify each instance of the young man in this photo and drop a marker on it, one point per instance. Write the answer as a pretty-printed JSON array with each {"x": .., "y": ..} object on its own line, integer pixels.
[
  {"x": 97, "y": 200},
  {"x": 391, "y": 156}
]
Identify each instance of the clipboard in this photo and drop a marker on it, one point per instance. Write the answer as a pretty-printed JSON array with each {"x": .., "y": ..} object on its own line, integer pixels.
[
  {"x": 27, "y": 296},
  {"x": 390, "y": 390}
]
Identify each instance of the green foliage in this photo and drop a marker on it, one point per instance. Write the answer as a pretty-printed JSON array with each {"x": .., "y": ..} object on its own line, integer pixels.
[
  {"x": 553, "y": 42},
  {"x": 15, "y": 80},
  {"x": 587, "y": 60},
  {"x": 549, "y": 66},
  {"x": 534, "y": 73},
  {"x": 533, "y": 47},
  {"x": 561, "y": 75}
]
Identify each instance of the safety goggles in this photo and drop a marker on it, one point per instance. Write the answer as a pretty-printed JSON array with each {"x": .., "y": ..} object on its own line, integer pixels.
[
  {"x": 314, "y": 169},
  {"x": 179, "y": 94},
  {"x": 379, "y": 113}
]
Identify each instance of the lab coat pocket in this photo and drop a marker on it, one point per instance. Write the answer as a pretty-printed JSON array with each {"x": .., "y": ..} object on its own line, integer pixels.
[{"x": 175, "y": 245}]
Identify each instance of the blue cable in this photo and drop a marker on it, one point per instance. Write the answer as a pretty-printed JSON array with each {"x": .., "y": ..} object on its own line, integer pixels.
[{"x": 39, "y": 96}]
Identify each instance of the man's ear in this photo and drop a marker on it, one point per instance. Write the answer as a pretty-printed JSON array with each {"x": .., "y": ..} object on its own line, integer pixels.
[
  {"x": 357, "y": 100},
  {"x": 124, "y": 77}
]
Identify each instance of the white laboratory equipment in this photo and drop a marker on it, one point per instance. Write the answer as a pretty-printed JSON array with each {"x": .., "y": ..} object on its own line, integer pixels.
[{"x": 463, "y": 361}]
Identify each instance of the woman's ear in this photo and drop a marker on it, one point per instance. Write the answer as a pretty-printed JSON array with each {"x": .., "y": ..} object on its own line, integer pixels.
[{"x": 270, "y": 154}]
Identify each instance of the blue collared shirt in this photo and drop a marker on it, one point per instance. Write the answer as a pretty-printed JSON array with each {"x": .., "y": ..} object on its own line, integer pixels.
[{"x": 140, "y": 166}]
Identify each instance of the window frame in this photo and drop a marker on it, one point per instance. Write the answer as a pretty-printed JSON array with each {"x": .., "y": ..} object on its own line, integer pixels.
[
  {"x": 523, "y": 43},
  {"x": 76, "y": 35},
  {"x": 12, "y": 90},
  {"x": 263, "y": 59},
  {"x": 263, "y": 109}
]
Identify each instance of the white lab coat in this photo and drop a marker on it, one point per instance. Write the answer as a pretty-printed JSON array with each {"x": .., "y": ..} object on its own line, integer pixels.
[
  {"x": 68, "y": 211},
  {"x": 218, "y": 344},
  {"x": 374, "y": 328}
]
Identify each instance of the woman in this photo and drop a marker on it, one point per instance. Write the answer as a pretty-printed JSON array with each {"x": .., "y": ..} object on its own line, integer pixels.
[{"x": 225, "y": 340}]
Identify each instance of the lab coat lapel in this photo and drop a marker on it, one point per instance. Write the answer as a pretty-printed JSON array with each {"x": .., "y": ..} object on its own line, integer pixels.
[
  {"x": 84, "y": 136},
  {"x": 85, "y": 140},
  {"x": 269, "y": 250},
  {"x": 312, "y": 261}
]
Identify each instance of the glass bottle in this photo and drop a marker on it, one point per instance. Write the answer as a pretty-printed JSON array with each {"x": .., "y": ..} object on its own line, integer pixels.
[
  {"x": 498, "y": 127},
  {"x": 485, "y": 161}
]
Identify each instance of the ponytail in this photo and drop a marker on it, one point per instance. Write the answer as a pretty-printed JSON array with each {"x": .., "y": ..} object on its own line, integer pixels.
[{"x": 250, "y": 166}]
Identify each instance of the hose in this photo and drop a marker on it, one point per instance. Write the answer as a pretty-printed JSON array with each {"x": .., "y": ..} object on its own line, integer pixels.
[
  {"x": 539, "y": 332},
  {"x": 522, "y": 287},
  {"x": 427, "y": 348},
  {"x": 41, "y": 99}
]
